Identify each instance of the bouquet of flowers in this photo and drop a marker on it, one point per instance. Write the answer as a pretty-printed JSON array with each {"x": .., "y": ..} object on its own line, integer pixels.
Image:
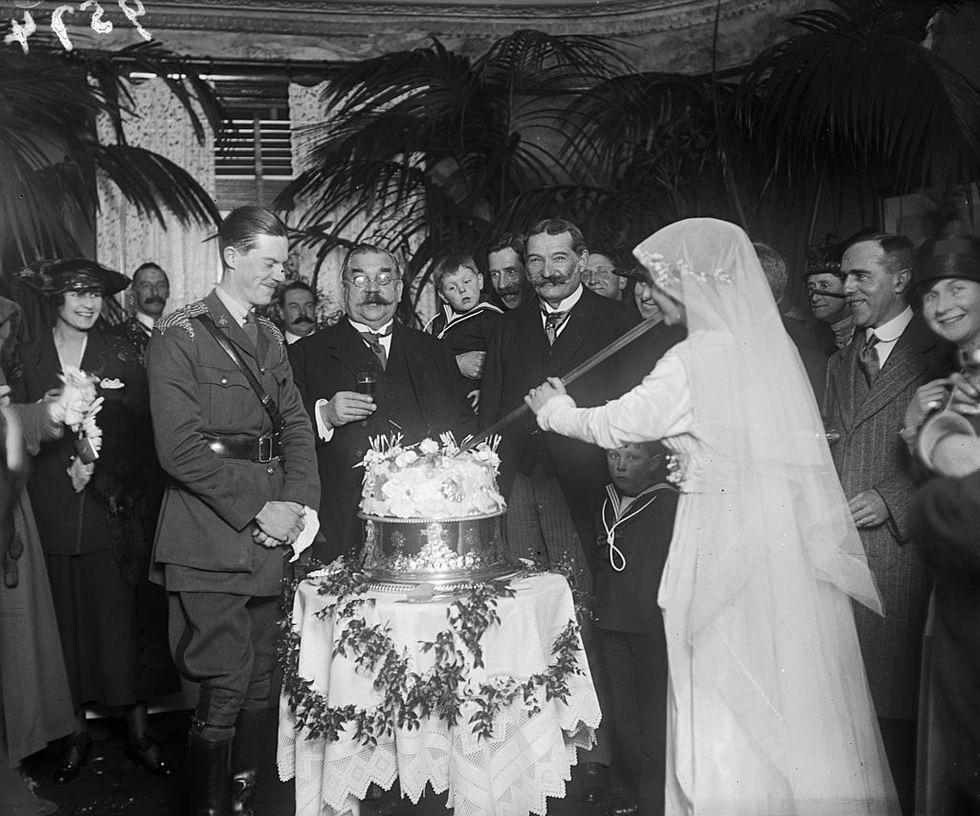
[{"x": 81, "y": 407}]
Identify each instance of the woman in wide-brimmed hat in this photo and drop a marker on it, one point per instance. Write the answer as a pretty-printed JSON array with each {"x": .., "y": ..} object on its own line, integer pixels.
[{"x": 95, "y": 592}]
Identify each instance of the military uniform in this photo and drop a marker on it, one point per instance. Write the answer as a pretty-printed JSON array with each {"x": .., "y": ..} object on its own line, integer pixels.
[{"x": 216, "y": 442}]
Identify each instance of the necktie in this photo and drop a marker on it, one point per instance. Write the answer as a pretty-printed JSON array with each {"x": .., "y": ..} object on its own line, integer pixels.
[
  {"x": 373, "y": 339},
  {"x": 252, "y": 328},
  {"x": 552, "y": 322},
  {"x": 868, "y": 357}
]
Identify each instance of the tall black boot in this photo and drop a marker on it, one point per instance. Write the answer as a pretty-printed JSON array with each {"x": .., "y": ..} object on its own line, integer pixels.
[
  {"x": 250, "y": 728},
  {"x": 209, "y": 782}
]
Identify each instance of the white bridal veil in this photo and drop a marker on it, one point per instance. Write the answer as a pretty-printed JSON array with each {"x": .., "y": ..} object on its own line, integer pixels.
[{"x": 750, "y": 388}]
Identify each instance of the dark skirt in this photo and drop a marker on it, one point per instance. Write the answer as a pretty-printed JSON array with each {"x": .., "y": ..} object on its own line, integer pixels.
[
  {"x": 35, "y": 706},
  {"x": 108, "y": 655}
]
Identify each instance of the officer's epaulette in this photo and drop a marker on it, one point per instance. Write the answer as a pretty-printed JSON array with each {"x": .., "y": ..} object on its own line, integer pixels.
[
  {"x": 273, "y": 329},
  {"x": 181, "y": 318}
]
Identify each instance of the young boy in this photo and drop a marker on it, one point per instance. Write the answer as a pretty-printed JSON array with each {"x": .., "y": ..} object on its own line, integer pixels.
[
  {"x": 634, "y": 530},
  {"x": 466, "y": 320}
]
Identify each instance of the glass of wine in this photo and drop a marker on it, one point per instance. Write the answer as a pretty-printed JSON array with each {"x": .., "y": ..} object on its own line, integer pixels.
[{"x": 367, "y": 382}]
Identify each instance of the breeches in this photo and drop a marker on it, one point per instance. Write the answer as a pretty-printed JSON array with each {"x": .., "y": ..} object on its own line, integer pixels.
[{"x": 227, "y": 643}]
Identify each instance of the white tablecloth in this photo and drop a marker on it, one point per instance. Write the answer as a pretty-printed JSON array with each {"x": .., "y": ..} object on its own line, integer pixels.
[{"x": 530, "y": 754}]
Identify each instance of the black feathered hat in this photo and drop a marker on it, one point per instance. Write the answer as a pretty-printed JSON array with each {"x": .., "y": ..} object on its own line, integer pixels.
[{"x": 73, "y": 275}]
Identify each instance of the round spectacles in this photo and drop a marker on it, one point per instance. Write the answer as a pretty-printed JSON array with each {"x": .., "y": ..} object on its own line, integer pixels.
[{"x": 360, "y": 280}]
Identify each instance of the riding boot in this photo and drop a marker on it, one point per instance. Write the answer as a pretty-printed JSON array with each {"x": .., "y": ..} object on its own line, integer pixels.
[
  {"x": 249, "y": 731},
  {"x": 209, "y": 783}
]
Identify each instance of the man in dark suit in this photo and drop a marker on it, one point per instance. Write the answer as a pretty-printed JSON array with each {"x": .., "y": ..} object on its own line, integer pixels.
[
  {"x": 869, "y": 385},
  {"x": 367, "y": 376},
  {"x": 151, "y": 291},
  {"x": 554, "y": 484},
  {"x": 243, "y": 480}
]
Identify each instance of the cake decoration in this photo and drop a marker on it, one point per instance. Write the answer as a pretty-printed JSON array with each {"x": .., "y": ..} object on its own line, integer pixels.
[
  {"x": 432, "y": 511},
  {"x": 430, "y": 480}
]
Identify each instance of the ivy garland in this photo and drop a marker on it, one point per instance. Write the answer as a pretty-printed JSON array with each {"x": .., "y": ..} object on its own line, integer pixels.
[{"x": 407, "y": 696}]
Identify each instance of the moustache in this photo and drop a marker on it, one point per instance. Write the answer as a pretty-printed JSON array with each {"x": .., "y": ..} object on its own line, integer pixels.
[
  {"x": 509, "y": 291},
  {"x": 554, "y": 279},
  {"x": 299, "y": 321},
  {"x": 154, "y": 299},
  {"x": 377, "y": 299},
  {"x": 827, "y": 295}
]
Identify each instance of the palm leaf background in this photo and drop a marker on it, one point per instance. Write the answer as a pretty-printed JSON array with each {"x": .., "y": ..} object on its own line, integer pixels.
[
  {"x": 430, "y": 147},
  {"x": 49, "y": 104},
  {"x": 435, "y": 148}
]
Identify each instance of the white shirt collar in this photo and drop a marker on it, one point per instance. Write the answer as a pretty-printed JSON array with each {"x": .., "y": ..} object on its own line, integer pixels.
[
  {"x": 360, "y": 327},
  {"x": 145, "y": 320},
  {"x": 890, "y": 332},
  {"x": 565, "y": 305},
  {"x": 292, "y": 338},
  {"x": 235, "y": 307}
]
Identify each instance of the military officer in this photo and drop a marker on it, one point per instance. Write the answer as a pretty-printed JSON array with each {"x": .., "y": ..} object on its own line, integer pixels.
[{"x": 243, "y": 476}]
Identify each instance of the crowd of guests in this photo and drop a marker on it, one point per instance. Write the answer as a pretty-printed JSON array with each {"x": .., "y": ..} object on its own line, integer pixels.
[{"x": 686, "y": 484}]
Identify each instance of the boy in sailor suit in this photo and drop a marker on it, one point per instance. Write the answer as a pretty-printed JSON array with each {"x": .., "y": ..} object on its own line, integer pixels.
[
  {"x": 466, "y": 320},
  {"x": 634, "y": 529}
]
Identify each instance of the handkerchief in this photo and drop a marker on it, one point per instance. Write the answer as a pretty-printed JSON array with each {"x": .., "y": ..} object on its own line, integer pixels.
[{"x": 311, "y": 522}]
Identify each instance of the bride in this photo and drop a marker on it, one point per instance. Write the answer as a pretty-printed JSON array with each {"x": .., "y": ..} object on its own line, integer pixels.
[{"x": 768, "y": 705}]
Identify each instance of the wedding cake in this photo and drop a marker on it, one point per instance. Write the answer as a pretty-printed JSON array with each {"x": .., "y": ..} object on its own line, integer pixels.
[{"x": 432, "y": 512}]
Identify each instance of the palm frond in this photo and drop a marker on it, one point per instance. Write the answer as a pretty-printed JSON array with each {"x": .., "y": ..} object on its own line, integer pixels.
[
  {"x": 196, "y": 96},
  {"x": 50, "y": 102},
  {"x": 858, "y": 87},
  {"x": 153, "y": 183}
]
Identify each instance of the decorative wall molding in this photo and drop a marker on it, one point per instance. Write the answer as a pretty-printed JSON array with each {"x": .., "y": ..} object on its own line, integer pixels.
[
  {"x": 658, "y": 34},
  {"x": 627, "y": 17}
]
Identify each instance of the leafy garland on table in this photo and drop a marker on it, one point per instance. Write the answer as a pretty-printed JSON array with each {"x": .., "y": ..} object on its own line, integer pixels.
[{"x": 409, "y": 697}]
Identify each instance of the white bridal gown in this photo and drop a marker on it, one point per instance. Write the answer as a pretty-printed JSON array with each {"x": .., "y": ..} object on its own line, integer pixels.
[{"x": 768, "y": 706}]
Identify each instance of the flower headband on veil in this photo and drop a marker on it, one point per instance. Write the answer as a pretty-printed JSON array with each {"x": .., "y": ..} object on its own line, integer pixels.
[{"x": 665, "y": 275}]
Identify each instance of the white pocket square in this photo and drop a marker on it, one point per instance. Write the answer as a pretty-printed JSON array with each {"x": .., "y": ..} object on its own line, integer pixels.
[{"x": 111, "y": 384}]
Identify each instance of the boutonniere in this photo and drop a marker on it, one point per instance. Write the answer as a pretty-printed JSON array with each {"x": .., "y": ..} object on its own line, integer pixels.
[{"x": 110, "y": 385}]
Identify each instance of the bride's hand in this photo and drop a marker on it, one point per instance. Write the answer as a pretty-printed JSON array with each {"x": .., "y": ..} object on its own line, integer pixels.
[{"x": 537, "y": 397}]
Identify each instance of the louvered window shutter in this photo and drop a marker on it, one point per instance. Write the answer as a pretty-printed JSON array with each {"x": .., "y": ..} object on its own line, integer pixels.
[{"x": 252, "y": 154}]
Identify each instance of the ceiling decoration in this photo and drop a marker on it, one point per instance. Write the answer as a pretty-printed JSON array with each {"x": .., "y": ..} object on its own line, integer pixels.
[{"x": 667, "y": 35}]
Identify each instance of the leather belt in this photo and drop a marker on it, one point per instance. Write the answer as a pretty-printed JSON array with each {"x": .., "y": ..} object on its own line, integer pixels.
[{"x": 249, "y": 448}]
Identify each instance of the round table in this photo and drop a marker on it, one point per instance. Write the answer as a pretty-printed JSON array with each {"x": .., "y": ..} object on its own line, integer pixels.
[{"x": 533, "y": 744}]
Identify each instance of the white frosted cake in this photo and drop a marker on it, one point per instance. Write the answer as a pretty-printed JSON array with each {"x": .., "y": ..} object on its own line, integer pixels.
[{"x": 432, "y": 513}]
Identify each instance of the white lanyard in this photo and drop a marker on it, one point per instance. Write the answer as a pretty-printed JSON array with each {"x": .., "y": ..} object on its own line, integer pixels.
[{"x": 617, "y": 560}]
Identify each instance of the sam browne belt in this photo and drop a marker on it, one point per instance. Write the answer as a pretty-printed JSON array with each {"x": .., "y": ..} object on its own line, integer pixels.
[{"x": 248, "y": 448}]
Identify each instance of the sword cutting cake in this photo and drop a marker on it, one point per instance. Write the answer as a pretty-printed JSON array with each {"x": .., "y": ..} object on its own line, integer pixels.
[{"x": 432, "y": 512}]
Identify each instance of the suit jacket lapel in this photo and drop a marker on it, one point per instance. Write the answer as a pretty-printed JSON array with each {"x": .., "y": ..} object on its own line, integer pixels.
[
  {"x": 94, "y": 358},
  {"x": 347, "y": 347},
  {"x": 905, "y": 363},
  {"x": 573, "y": 335},
  {"x": 46, "y": 356},
  {"x": 532, "y": 344}
]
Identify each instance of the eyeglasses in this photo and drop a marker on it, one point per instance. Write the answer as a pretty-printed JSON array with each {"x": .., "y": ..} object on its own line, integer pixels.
[{"x": 360, "y": 279}]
